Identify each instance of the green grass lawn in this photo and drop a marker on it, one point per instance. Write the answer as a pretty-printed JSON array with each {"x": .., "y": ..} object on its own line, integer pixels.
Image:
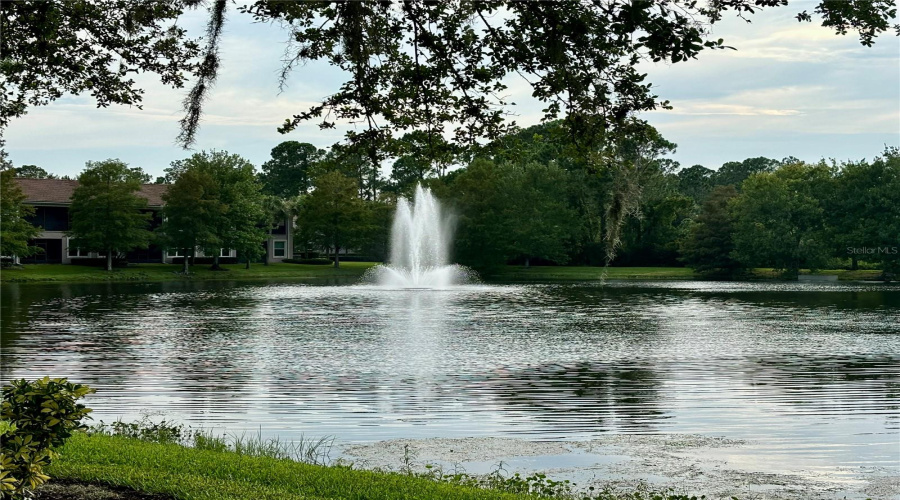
[
  {"x": 842, "y": 274},
  {"x": 189, "y": 473},
  {"x": 538, "y": 273},
  {"x": 514, "y": 273},
  {"x": 171, "y": 272}
]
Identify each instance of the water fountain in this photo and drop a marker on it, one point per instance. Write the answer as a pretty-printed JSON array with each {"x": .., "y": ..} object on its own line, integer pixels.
[{"x": 420, "y": 244}]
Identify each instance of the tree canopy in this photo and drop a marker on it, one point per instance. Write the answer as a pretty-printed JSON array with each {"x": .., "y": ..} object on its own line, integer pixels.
[
  {"x": 33, "y": 172},
  {"x": 191, "y": 206},
  {"x": 53, "y": 48},
  {"x": 215, "y": 203},
  {"x": 15, "y": 228},
  {"x": 709, "y": 247},
  {"x": 865, "y": 210},
  {"x": 780, "y": 218},
  {"x": 733, "y": 173},
  {"x": 106, "y": 212},
  {"x": 437, "y": 67},
  {"x": 333, "y": 215},
  {"x": 288, "y": 173}
]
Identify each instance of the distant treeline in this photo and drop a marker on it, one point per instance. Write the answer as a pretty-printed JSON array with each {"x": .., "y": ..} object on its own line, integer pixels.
[{"x": 537, "y": 197}]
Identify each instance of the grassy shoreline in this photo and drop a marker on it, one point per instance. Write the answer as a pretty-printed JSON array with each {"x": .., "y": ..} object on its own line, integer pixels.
[
  {"x": 190, "y": 473},
  {"x": 585, "y": 273},
  {"x": 137, "y": 273},
  {"x": 173, "y": 470},
  {"x": 144, "y": 273}
]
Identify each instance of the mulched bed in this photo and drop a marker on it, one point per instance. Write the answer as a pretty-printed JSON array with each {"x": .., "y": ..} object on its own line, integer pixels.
[{"x": 63, "y": 489}]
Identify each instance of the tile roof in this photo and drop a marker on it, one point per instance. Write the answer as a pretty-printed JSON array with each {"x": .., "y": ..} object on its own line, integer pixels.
[{"x": 59, "y": 191}]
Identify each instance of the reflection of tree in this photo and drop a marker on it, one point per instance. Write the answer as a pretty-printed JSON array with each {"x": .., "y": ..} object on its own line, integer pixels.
[
  {"x": 59, "y": 329},
  {"x": 384, "y": 352},
  {"x": 843, "y": 300},
  {"x": 113, "y": 336},
  {"x": 15, "y": 304},
  {"x": 581, "y": 397},
  {"x": 830, "y": 385},
  {"x": 209, "y": 334}
]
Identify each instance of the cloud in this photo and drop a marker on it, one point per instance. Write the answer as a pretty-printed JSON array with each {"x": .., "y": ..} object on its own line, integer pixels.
[
  {"x": 703, "y": 109},
  {"x": 790, "y": 88}
]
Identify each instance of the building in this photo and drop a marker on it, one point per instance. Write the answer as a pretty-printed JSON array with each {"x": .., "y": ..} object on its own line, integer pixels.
[{"x": 51, "y": 199}]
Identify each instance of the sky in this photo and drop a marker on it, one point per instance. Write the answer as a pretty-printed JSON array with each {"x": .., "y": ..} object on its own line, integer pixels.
[{"x": 790, "y": 89}]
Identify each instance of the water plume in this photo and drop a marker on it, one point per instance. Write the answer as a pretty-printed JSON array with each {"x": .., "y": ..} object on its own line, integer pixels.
[{"x": 420, "y": 246}]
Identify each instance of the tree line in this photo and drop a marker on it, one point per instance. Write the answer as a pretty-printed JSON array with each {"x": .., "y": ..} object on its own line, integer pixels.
[{"x": 534, "y": 196}]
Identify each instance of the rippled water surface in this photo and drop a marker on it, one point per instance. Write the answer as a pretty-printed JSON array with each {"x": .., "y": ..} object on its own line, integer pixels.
[{"x": 810, "y": 373}]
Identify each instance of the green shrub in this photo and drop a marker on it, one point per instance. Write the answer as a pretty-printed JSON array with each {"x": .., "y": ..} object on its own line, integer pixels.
[
  {"x": 36, "y": 418},
  {"x": 145, "y": 430}
]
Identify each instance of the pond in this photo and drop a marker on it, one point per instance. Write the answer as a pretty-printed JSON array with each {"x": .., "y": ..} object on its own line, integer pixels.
[{"x": 799, "y": 377}]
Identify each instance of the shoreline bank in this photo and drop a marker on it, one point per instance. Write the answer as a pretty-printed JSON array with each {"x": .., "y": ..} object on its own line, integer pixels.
[
  {"x": 170, "y": 470},
  {"x": 148, "y": 273}
]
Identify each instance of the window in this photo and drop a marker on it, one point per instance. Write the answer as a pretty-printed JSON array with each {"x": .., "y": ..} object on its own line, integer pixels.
[
  {"x": 224, "y": 252},
  {"x": 173, "y": 252},
  {"x": 278, "y": 248},
  {"x": 51, "y": 218}
]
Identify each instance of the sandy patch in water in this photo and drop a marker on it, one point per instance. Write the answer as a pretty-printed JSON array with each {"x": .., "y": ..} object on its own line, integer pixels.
[
  {"x": 690, "y": 464},
  {"x": 424, "y": 451}
]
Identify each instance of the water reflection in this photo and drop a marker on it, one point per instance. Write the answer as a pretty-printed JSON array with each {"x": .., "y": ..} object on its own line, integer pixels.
[
  {"x": 807, "y": 363},
  {"x": 572, "y": 398},
  {"x": 831, "y": 385}
]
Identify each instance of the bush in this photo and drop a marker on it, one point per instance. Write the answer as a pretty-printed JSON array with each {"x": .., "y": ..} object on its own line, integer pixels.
[
  {"x": 36, "y": 418},
  {"x": 144, "y": 430}
]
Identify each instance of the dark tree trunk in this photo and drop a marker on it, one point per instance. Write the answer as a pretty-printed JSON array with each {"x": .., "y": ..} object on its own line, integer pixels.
[
  {"x": 248, "y": 262},
  {"x": 216, "y": 266},
  {"x": 854, "y": 263},
  {"x": 794, "y": 270},
  {"x": 337, "y": 258},
  {"x": 109, "y": 259}
]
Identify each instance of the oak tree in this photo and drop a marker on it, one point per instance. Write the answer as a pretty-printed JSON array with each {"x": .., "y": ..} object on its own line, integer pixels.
[
  {"x": 107, "y": 214},
  {"x": 780, "y": 219},
  {"x": 228, "y": 208},
  {"x": 332, "y": 215},
  {"x": 191, "y": 206}
]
